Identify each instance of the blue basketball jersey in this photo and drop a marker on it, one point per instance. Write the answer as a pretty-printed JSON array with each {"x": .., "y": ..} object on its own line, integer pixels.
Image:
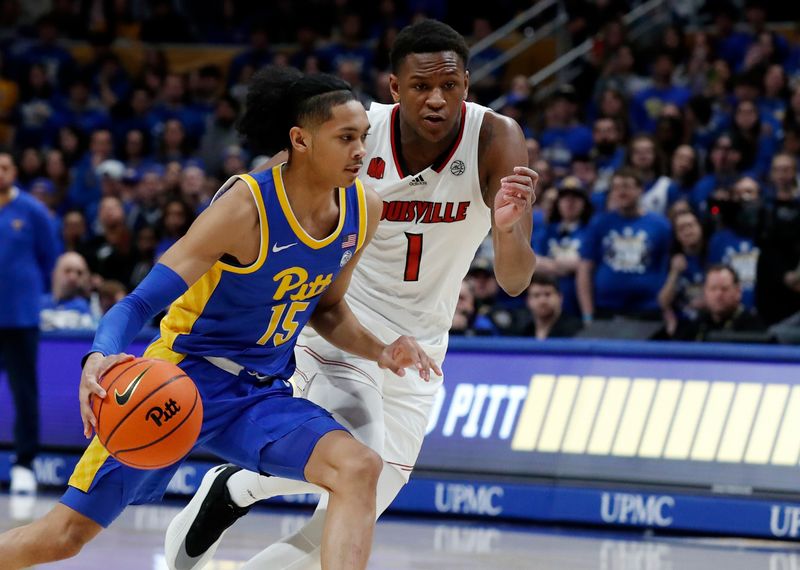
[{"x": 253, "y": 314}]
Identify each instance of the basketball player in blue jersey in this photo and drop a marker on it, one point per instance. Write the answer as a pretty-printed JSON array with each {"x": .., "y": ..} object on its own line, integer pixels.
[
  {"x": 273, "y": 252},
  {"x": 448, "y": 172}
]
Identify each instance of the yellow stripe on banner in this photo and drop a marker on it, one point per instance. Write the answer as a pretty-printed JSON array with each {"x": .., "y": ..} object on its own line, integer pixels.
[
  {"x": 787, "y": 447},
  {"x": 740, "y": 422},
  {"x": 633, "y": 419},
  {"x": 608, "y": 419},
  {"x": 263, "y": 223},
  {"x": 90, "y": 463},
  {"x": 188, "y": 307},
  {"x": 655, "y": 432},
  {"x": 583, "y": 413},
  {"x": 765, "y": 428},
  {"x": 159, "y": 349},
  {"x": 558, "y": 414},
  {"x": 684, "y": 426},
  {"x": 299, "y": 231},
  {"x": 714, "y": 416},
  {"x": 363, "y": 214},
  {"x": 532, "y": 415}
]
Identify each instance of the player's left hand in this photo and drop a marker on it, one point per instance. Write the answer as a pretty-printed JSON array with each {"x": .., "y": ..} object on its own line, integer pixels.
[
  {"x": 404, "y": 353},
  {"x": 515, "y": 198}
]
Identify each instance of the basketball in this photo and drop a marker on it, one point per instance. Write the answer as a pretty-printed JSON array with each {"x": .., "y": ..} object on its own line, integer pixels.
[{"x": 151, "y": 415}]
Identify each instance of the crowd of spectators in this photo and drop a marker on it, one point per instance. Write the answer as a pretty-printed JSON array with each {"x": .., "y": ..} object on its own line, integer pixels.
[{"x": 669, "y": 185}]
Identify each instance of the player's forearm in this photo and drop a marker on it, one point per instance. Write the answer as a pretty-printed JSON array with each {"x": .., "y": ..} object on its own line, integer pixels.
[
  {"x": 514, "y": 260},
  {"x": 339, "y": 326}
]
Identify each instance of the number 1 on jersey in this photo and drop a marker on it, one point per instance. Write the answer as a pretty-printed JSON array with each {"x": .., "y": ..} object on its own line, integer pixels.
[{"x": 413, "y": 257}]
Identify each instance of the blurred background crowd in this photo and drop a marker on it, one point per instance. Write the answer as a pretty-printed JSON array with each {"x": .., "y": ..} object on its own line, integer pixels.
[{"x": 120, "y": 119}]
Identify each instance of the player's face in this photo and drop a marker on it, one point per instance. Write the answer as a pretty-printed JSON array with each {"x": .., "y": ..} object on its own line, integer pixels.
[
  {"x": 430, "y": 88},
  {"x": 337, "y": 145}
]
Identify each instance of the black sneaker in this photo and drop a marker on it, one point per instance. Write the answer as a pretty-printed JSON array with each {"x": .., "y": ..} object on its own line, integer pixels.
[{"x": 195, "y": 533}]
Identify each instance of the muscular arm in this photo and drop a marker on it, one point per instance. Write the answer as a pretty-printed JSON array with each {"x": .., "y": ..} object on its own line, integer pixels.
[
  {"x": 510, "y": 197},
  {"x": 333, "y": 318},
  {"x": 583, "y": 282}
]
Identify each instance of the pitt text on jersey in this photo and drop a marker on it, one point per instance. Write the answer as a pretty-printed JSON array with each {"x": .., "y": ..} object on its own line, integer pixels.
[
  {"x": 423, "y": 212},
  {"x": 293, "y": 283}
]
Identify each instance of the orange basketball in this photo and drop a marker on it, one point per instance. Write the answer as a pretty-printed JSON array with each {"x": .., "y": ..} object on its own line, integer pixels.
[{"x": 151, "y": 415}]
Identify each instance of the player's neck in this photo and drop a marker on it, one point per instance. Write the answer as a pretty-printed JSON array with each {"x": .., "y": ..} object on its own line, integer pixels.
[
  {"x": 419, "y": 153},
  {"x": 312, "y": 200}
]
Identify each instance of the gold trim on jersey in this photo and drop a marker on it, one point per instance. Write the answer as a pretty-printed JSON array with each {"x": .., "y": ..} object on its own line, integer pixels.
[
  {"x": 90, "y": 463},
  {"x": 255, "y": 190},
  {"x": 188, "y": 307},
  {"x": 159, "y": 349},
  {"x": 301, "y": 233},
  {"x": 362, "y": 214}
]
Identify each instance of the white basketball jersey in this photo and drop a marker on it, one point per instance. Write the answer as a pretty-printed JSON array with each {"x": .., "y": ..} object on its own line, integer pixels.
[{"x": 409, "y": 277}]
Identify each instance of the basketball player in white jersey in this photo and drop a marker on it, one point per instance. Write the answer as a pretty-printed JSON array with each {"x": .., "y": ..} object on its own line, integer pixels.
[{"x": 448, "y": 171}]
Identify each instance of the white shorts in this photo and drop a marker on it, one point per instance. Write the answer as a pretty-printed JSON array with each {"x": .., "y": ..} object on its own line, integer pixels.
[{"x": 386, "y": 412}]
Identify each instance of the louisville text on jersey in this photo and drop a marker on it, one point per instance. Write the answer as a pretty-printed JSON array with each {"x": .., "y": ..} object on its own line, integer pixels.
[{"x": 424, "y": 212}]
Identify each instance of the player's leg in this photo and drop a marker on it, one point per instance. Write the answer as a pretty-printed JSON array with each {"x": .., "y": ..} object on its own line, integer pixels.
[
  {"x": 58, "y": 535},
  {"x": 291, "y": 437},
  {"x": 406, "y": 405},
  {"x": 349, "y": 471},
  {"x": 349, "y": 392},
  {"x": 301, "y": 550},
  {"x": 99, "y": 490}
]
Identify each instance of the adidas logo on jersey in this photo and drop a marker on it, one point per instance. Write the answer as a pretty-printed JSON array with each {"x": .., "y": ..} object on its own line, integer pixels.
[{"x": 418, "y": 181}]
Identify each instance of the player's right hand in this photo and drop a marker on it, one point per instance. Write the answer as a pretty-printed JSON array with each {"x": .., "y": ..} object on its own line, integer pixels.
[
  {"x": 96, "y": 365},
  {"x": 405, "y": 352}
]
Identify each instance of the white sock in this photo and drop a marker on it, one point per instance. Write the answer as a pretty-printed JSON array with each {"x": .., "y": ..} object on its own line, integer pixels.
[
  {"x": 246, "y": 487},
  {"x": 301, "y": 550}
]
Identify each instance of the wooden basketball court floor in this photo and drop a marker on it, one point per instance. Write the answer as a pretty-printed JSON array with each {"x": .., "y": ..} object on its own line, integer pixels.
[{"x": 135, "y": 542}]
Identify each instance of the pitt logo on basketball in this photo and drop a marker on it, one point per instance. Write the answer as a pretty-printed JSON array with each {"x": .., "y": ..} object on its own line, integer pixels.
[
  {"x": 294, "y": 285},
  {"x": 157, "y": 413}
]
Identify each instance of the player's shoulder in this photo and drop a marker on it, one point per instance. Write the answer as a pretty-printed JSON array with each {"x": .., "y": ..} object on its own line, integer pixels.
[
  {"x": 372, "y": 198},
  {"x": 498, "y": 132}
]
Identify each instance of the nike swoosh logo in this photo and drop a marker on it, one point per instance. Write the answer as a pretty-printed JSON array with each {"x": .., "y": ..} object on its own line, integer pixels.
[
  {"x": 123, "y": 398},
  {"x": 276, "y": 248}
]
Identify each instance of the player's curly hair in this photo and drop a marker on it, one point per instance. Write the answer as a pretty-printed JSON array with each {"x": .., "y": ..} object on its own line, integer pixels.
[
  {"x": 279, "y": 98},
  {"x": 427, "y": 36}
]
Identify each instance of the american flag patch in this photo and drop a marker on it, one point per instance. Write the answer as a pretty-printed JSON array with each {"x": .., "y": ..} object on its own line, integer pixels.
[{"x": 349, "y": 241}]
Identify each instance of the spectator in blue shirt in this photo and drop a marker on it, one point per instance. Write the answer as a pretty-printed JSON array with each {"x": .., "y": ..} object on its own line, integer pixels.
[
  {"x": 27, "y": 254},
  {"x": 684, "y": 170},
  {"x": 564, "y": 136},
  {"x": 645, "y": 157},
  {"x": 681, "y": 297},
  {"x": 66, "y": 307},
  {"x": 608, "y": 152},
  {"x": 624, "y": 256},
  {"x": 647, "y": 104},
  {"x": 756, "y": 138},
  {"x": 558, "y": 248},
  {"x": 723, "y": 163},
  {"x": 734, "y": 243}
]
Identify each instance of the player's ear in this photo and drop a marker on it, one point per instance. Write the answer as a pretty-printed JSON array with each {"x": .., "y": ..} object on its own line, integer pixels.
[
  {"x": 394, "y": 87},
  {"x": 299, "y": 139},
  {"x": 466, "y": 84}
]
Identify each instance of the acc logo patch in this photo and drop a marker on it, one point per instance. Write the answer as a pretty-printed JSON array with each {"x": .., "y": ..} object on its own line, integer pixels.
[
  {"x": 346, "y": 256},
  {"x": 457, "y": 168}
]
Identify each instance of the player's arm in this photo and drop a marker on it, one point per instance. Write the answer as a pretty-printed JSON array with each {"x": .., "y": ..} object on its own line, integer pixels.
[
  {"x": 225, "y": 227},
  {"x": 510, "y": 193},
  {"x": 585, "y": 288},
  {"x": 334, "y": 320}
]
